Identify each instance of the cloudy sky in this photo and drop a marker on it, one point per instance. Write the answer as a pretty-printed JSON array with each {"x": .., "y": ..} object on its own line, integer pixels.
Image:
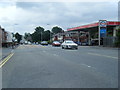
[{"x": 25, "y": 16}]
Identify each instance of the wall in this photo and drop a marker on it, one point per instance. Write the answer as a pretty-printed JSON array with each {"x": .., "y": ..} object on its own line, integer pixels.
[{"x": 0, "y": 37}]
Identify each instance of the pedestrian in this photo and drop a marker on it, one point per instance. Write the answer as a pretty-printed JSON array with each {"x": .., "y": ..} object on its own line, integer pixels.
[{"x": 12, "y": 45}]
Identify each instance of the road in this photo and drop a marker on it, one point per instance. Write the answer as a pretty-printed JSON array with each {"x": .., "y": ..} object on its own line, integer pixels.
[{"x": 36, "y": 66}]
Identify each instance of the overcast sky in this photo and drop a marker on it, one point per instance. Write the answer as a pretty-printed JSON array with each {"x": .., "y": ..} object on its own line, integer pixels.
[{"x": 25, "y": 16}]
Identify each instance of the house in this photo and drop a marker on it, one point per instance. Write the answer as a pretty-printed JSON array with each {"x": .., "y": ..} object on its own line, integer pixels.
[{"x": 6, "y": 38}]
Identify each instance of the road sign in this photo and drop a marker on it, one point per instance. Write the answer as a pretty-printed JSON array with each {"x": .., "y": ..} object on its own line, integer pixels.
[
  {"x": 102, "y": 32},
  {"x": 102, "y": 29},
  {"x": 102, "y": 23}
]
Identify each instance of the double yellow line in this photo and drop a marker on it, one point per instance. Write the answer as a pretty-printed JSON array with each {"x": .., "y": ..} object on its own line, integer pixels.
[{"x": 6, "y": 59}]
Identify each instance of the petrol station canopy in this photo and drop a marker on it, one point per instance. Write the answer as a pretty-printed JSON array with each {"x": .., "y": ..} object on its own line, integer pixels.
[{"x": 93, "y": 25}]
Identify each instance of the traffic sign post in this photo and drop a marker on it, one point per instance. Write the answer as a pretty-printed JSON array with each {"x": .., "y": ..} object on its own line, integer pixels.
[{"x": 102, "y": 29}]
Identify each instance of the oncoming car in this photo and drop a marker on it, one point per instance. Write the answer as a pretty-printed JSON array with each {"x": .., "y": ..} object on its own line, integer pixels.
[
  {"x": 44, "y": 43},
  {"x": 69, "y": 44},
  {"x": 56, "y": 43}
]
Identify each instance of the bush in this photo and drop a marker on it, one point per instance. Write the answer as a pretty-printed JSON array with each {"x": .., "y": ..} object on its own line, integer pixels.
[
  {"x": 117, "y": 43},
  {"x": 50, "y": 42}
]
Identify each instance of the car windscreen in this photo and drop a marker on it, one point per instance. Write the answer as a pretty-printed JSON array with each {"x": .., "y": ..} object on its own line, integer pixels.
[
  {"x": 69, "y": 42},
  {"x": 44, "y": 42},
  {"x": 56, "y": 42}
]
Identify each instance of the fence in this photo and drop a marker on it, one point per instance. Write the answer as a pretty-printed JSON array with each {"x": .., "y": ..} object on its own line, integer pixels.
[{"x": 109, "y": 41}]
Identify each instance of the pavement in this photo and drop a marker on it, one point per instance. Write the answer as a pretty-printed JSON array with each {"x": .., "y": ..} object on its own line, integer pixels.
[
  {"x": 6, "y": 52},
  {"x": 0, "y": 53},
  {"x": 102, "y": 47},
  {"x": 36, "y": 66}
]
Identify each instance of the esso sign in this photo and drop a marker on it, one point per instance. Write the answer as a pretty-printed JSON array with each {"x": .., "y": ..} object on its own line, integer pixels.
[{"x": 102, "y": 23}]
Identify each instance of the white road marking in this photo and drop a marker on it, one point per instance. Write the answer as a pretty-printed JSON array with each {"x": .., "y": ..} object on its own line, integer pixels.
[
  {"x": 103, "y": 55},
  {"x": 89, "y": 66},
  {"x": 86, "y": 65},
  {"x": 55, "y": 54}
]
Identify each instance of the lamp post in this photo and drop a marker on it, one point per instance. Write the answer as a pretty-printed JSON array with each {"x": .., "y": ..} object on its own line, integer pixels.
[
  {"x": 50, "y": 32},
  {"x": 13, "y": 38},
  {"x": 41, "y": 35}
]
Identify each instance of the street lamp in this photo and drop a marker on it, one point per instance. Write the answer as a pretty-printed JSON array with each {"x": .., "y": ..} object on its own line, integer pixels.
[
  {"x": 13, "y": 37},
  {"x": 41, "y": 35},
  {"x": 50, "y": 32}
]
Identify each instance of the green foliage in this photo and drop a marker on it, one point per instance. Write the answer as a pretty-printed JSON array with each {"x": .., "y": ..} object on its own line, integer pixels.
[
  {"x": 13, "y": 35},
  {"x": 18, "y": 37},
  {"x": 36, "y": 36},
  {"x": 56, "y": 29},
  {"x": 39, "y": 29},
  {"x": 46, "y": 35},
  {"x": 118, "y": 34},
  {"x": 117, "y": 43},
  {"x": 27, "y": 36},
  {"x": 40, "y": 35}
]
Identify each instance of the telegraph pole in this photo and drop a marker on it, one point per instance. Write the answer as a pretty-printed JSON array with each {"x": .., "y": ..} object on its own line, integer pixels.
[
  {"x": 99, "y": 34},
  {"x": 41, "y": 35}
]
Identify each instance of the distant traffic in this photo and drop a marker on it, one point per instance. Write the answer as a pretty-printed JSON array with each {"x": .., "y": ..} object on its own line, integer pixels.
[{"x": 67, "y": 44}]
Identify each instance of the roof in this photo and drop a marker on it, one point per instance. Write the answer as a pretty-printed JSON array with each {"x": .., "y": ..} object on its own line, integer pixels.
[{"x": 109, "y": 23}]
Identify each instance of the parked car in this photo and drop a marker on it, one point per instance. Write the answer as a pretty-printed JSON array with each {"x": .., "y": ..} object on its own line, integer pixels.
[
  {"x": 44, "y": 43},
  {"x": 84, "y": 43},
  {"x": 56, "y": 43},
  {"x": 79, "y": 43},
  {"x": 69, "y": 44}
]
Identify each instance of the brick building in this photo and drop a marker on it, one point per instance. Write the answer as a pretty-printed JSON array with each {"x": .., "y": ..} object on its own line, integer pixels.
[{"x": 5, "y": 38}]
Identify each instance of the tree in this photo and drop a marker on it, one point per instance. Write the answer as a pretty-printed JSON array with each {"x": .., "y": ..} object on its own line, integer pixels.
[
  {"x": 13, "y": 35},
  {"x": 38, "y": 34},
  {"x": 27, "y": 36},
  {"x": 39, "y": 29},
  {"x": 56, "y": 29},
  {"x": 118, "y": 34},
  {"x": 18, "y": 37},
  {"x": 117, "y": 43},
  {"x": 46, "y": 35}
]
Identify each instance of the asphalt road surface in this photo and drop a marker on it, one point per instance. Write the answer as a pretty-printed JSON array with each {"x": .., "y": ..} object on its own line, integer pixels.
[{"x": 36, "y": 66}]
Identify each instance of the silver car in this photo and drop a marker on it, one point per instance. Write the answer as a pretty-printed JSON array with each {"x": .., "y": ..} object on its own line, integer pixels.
[
  {"x": 69, "y": 44},
  {"x": 44, "y": 43}
]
